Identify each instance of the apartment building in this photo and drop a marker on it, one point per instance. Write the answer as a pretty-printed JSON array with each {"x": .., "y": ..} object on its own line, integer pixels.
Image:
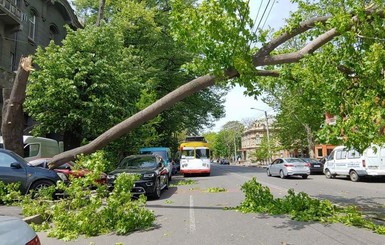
[{"x": 25, "y": 25}]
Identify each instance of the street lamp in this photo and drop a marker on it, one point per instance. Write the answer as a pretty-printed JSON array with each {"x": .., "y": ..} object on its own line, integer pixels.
[{"x": 267, "y": 128}]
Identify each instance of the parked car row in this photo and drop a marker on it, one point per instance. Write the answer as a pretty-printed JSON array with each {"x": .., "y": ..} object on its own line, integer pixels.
[{"x": 34, "y": 175}]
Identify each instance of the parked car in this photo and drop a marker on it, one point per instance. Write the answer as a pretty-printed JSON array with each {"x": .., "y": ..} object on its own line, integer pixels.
[
  {"x": 15, "y": 231},
  {"x": 224, "y": 161},
  {"x": 315, "y": 165},
  {"x": 67, "y": 168},
  {"x": 154, "y": 174},
  {"x": 285, "y": 167},
  {"x": 14, "y": 169}
]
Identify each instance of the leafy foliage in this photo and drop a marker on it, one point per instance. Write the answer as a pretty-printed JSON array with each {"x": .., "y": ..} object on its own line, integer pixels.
[
  {"x": 184, "y": 182},
  {"x": 301, "y": 207},
  {"x": 216, "y": 189},
  {"x": 9, "y": 193},
  {"x": 87, "y": 208},
  {"x": 218, "y": 31}
]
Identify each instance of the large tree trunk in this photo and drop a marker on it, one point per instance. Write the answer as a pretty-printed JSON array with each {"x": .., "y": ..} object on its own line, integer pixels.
[
  {"x": 13, "y": 117},
  {"x": 138, "y": 119}
]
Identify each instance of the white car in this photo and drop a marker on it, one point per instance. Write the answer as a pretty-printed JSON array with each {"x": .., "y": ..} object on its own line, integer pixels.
[
  {"x": 284, "y": 167},
  {"x": 14, "y": 231}
]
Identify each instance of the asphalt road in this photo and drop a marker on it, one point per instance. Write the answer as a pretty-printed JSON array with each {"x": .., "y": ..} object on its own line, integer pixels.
[{"x": 191, "y": 215}]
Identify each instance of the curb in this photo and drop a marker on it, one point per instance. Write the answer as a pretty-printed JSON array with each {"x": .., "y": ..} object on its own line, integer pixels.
[{"x": 36, "y": 219}]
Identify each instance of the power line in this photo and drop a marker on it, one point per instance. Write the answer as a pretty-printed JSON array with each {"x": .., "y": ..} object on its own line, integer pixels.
[
  {"x": 264, "y": 12},
  {"x": 268, "y": 14}
]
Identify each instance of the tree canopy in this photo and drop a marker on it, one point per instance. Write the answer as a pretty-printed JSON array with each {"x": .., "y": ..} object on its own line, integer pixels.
[
  {"x": 342, "y": 50},
  {"x": 101, "y": 75}
]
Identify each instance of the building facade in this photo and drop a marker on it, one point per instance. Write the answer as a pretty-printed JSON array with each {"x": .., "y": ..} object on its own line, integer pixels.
[
  {"x": 252, "y": 138},
  {"x": 25, "y": 25}
]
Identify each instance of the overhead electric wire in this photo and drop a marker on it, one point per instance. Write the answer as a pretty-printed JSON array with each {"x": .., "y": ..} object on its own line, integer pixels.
[
  {"x": 268, "y": 14},
  {"x": 256, "y": 17},
  {"x": 264, "y": 12}
]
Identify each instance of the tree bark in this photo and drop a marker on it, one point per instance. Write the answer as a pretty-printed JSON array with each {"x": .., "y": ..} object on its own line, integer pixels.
[
  {"x": 102, "y": 4},
  {"x": 13, "y": 120}
]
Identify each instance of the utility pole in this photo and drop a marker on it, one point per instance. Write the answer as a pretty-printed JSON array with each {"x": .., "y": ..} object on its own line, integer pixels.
[{"x": 267, "y": 130}]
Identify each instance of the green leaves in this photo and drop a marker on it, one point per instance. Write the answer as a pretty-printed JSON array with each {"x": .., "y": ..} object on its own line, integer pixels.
[
  {"x": 301, "y": 207},
  {"x": 219, "y": 32},
  {"x": 87, "y": 208}
]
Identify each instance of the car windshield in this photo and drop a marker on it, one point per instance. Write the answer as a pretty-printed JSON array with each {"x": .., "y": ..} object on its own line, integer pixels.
[
  {"x": 138, "y": 162},
  {"x": 163, "y": 154}
]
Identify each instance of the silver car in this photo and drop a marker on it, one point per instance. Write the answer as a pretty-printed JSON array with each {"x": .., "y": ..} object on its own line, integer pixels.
[
  {"x": 15, "y": 231},
  {"x": 285, "y": 167}
]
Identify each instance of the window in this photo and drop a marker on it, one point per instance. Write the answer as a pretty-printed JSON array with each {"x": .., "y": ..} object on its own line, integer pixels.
[
  {"x": 353, "y": 154},
  {"x": 6, "y": 160},
  {"x": 32, "y": 25},
  {"x": 12, "y": 60},
  {"x": 319, "y": 152},
  {"x": 340, "y": 154},
  {"x": 53, "y": 33},
  {"x": 31, "y": 150}
]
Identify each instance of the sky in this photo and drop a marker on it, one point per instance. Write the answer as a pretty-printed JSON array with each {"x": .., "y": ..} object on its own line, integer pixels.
[{"x": 237, "y": 105}]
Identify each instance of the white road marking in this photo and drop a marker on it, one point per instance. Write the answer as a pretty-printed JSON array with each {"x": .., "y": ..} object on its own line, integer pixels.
[{"x": 192, "y": 216}]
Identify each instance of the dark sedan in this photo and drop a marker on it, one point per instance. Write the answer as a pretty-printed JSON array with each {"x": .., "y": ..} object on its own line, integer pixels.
[
  {"x": 151, "y": 168},
  {"x": 315, "y": 165},
  {"x": 14, "y": 169}
]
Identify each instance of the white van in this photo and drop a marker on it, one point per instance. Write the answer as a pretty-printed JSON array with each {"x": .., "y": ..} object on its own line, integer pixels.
[
  {"x": 349, "y": 162},
  {"x": 38, "y": 147}
]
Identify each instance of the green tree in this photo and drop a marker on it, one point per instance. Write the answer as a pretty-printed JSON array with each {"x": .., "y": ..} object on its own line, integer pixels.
[
  {"x": 83, "y": 87},
  {"x": 219, "y": 33}
]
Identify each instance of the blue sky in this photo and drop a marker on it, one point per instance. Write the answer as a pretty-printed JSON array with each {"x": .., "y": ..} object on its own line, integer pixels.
[{"x": 237, "y": 105}]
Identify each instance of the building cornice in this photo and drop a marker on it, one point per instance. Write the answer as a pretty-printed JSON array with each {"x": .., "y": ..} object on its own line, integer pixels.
[{"x": 74, "y": 19}]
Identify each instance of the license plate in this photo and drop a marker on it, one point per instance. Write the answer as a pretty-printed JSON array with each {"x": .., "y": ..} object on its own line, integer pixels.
[{"x": 317, "y": 166}]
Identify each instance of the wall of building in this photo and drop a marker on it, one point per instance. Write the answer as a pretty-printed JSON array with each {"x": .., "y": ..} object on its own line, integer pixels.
[{"x": 15, "y": 29}]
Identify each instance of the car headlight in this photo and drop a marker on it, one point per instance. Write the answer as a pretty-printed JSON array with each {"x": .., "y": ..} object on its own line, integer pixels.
[
  {"x": 148, "y": 175},
  {"x": 62, "y": 176}
]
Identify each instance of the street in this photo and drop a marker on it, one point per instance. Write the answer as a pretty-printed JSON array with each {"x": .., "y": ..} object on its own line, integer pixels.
[{"x": 188, "y": 214}]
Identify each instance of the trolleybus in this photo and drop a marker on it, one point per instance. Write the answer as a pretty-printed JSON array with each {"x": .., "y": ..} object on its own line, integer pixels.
[{"x": 195, "y": 157}]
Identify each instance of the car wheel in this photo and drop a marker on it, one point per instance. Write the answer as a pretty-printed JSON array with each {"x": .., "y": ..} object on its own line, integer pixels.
[
  {"x": 354, "y": 176},
  {"x": 328, "y": 174},
  {"x": 41, "y": 184},
  {"x": 304, "y": 176},
  {"x": 281, "y": 174},
  {"x": 268, "y": 172},
  {"x": 156, "y": 194}
]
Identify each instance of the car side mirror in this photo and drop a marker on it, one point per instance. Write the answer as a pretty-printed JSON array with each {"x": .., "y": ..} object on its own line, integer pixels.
[
  {"x": 15, "y": 165},
  {"x": 161, "y": 164}
]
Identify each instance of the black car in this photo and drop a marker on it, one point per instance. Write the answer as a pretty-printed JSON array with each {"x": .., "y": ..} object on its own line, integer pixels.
[
  {"x": 154, "y": 174},
  {"x": 224, "y": 161},
  {"x": 315, "y": 165},
  {"x": 14, "y": 169}
]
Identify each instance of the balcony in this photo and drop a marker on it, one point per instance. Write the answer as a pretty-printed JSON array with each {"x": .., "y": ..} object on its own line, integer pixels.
[{"x": 10, "y": 14}]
